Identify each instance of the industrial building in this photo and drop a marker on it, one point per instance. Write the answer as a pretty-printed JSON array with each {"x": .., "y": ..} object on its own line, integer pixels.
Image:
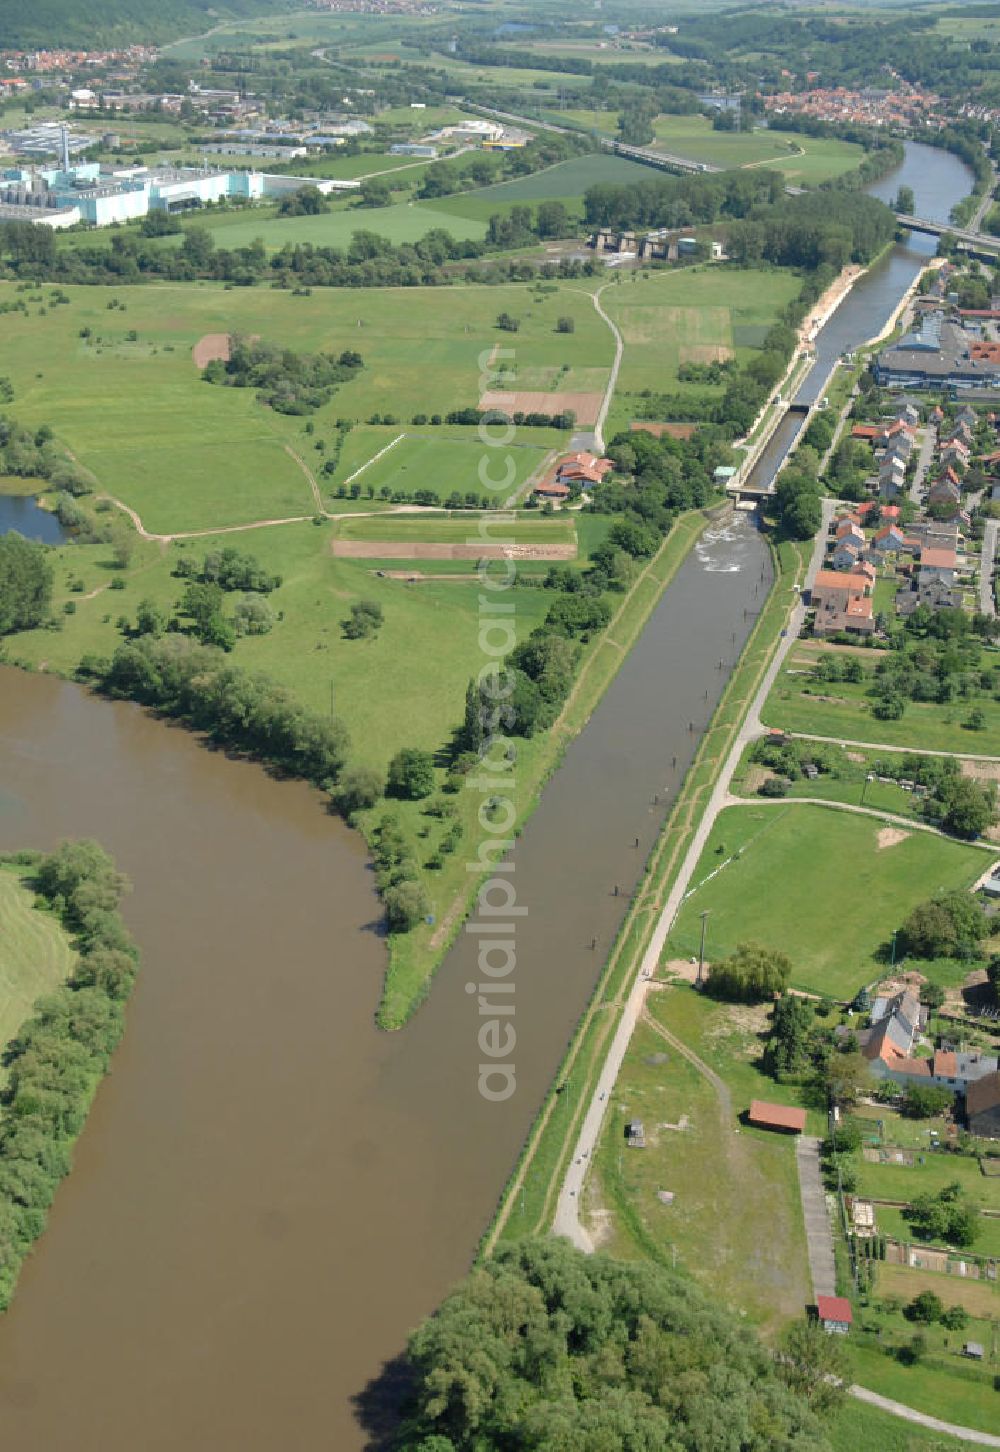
[
  {"x": 104, "y": 195},
  {"x": 938, "y": 353}
]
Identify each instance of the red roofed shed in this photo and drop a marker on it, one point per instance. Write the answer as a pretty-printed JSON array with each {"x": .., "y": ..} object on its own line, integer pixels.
[
  {"x": 777, "y": 1116},
  {"x": 834, "y": 1313}
]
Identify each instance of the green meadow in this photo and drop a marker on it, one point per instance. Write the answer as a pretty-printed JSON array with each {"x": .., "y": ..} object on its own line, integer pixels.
[
  {"x": 696, "y": 315},
  {"x": 566, "y": 182},
  {"x": 814, "y": 883}
]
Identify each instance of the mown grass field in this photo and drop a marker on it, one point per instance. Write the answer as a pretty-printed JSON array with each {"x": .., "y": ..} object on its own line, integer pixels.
[
  {"x": 442, "y": 464},
  {"x": 813, "y": 883},
  {"x": 189, "y": 455},
  {"x": 35, "y": 954},
  {"x": 735, "y": 1224},
  {"x": 697, "y": 315},
  {"x": 843, "y": 711}
]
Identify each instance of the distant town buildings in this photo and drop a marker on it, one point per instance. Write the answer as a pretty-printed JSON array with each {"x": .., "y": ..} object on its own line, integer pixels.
[{"x": 901, "y": 109}]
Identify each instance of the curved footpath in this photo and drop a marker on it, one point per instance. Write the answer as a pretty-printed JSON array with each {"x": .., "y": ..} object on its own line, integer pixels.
[
  {"x": 921, "y": 1419},
  {"x": 613, "y": 376}
]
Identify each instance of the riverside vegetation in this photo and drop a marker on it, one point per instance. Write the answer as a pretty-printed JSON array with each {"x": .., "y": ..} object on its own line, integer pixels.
[{"x": 59, "y": 1054}]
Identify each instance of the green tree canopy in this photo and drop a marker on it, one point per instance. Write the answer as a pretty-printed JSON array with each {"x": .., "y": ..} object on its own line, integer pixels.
[
  {"x": 25, "y": 583},
  {"x": 545, "y": 1348},
  {"x": 752, "y": 974}
]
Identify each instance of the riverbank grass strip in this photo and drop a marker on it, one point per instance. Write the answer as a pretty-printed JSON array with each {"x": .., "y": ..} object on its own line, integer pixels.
[{"x": 414, "y": 957}]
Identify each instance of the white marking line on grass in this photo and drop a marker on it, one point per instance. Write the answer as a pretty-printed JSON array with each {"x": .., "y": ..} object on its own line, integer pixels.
[{"x": 375, "y": 458}]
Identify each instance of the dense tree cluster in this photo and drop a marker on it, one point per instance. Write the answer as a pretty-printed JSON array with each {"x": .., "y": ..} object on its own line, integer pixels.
[
  {"x": 286, "y": 381},
  {"x": 753, "y": 974},
  {"x": 543, "y": 1347},
  {"x": 230, "y": 569},
  {"x": 25, "y": 583},
  {"x": 246, "y": 712},
  {"x": 951, "y": 925},
  {"x": 59, "y": 1055},
  {"x": 948, "y": 1217}
]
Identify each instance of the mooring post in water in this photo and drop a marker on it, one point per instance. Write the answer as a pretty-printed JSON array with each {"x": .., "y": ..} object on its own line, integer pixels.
[
  {"x": 593, "y": 944},
  {"x": 637, "y": 841},
  {"x": 675, "y": 763},
  {"x": 616, "y": 889}
]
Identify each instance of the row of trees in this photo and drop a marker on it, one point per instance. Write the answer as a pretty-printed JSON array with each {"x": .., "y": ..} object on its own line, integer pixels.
[
  {"x": 249, "y": 713},
  {"x": 59, "y": 1055}
]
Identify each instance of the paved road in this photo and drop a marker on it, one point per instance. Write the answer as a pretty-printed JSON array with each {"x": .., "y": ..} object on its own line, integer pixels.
[
  {"x": 987, "y": 600},
  {"x": 923, "y": 463},
  {"x": 921, "y": 1419},
  {"x": 819, "y": 1237},
  {"x": 567, "y": 1217}
]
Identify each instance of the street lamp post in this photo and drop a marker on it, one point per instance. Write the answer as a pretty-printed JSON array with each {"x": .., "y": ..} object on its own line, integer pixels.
[{"x": 701, "y": 951}]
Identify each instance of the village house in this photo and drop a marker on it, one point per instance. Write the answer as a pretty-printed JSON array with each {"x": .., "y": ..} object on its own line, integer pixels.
[
  {"x": 891, "y": 477},
  {"x": 933, "y": 596},
  {"x": 842, "y": 601},
  {"x": 889, "y": 540},
  {"x": 582, "y": 468},
  {"x": 937, "y": 565}
]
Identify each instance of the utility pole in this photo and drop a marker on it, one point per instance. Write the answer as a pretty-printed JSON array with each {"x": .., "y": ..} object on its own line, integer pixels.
[
  {"x": 892, "y": 963},
  {"x": 701, "y": 951}
]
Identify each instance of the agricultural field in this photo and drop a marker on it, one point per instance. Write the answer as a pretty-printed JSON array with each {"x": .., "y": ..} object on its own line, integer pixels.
[
  {"x": 35, "y": 953},
  {"x": 698, "y": 315},
  {"x": 842, "y": 711},
  {"x": 823, "y": 859},
  {"x": 235, "y": 462},
  {"x": 735, "y": 1223}
]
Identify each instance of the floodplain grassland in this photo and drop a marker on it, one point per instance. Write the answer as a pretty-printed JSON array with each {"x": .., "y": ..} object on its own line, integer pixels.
[
  {"x": 842, "y": 711},
  {"x": 35, "y": 952},
  {"x": 841, "y": 894},
  {"x": 188, "y": 455}
]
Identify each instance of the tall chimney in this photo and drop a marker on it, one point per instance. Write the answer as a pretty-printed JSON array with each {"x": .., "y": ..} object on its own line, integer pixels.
[{"x": 64, "y": 139}]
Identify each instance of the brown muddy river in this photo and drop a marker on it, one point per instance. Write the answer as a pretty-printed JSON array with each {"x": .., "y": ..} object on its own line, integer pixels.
[{"x": 269, "y": 1193}]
